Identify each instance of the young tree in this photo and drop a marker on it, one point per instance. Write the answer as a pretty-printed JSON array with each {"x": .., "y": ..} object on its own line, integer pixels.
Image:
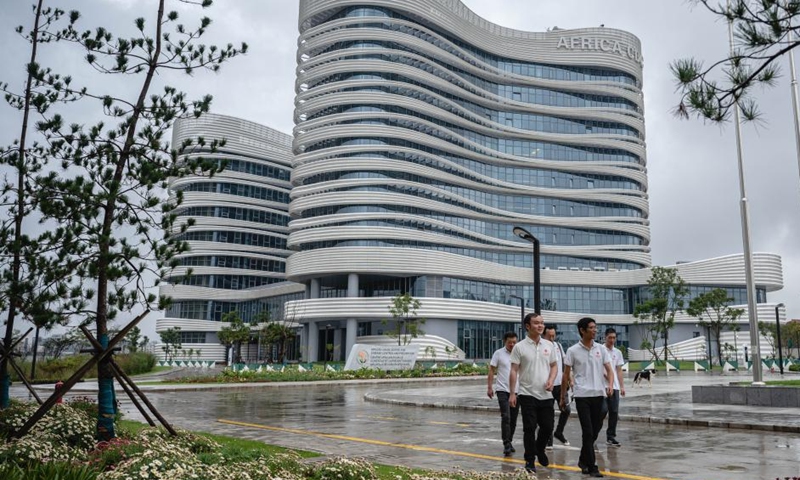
[
  {"x": 34, "y": 282},
  {"x": 171, "y": 342},
  {"x": 712, "y": 310},
  {"x": 133, "y": 338},
  {"x": 56, "y": 345},
  {"x": 111, "y": 192},
  {"x": 667, "y": 293},
  {"x": 764, "y": 32},
  {"x": 234, "y": 334},
  {"x": 769, "y": 331},
  {"x": 407, "y": 325}
]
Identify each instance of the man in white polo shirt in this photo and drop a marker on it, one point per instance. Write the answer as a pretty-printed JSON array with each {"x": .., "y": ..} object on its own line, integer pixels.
[
  {"x": 534, "y": 363},
  {"x": 611, "y": 405},
  {"x": 499, "y": 373},
  {"x": 593, "y": 382}
]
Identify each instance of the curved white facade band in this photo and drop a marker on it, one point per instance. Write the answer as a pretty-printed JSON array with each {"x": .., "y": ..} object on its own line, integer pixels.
[
  {"x": 237, "y": 255},
  {"x": 425, "y": 133}
]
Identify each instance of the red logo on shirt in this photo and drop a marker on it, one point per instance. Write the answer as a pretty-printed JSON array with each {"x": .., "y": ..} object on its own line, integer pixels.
[
  {"x": 597, "y": 353},
  {"x": 546, "y": 352}
]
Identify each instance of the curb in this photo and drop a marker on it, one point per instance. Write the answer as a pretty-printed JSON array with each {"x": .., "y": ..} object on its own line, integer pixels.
[{"x": 685, "y": 422}]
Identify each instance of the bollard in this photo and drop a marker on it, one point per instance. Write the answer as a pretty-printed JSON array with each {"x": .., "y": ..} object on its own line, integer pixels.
[{"x": 59, "y": 384}]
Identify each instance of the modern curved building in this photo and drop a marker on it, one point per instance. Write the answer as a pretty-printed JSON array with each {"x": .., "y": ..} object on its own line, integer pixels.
[
  {"x": 238, "y": 251},
  {"x": 425, "y": 133}
]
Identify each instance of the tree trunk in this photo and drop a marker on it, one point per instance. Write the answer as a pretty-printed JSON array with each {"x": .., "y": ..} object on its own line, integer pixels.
[
  {"x": 16, "y": 265},
  {"x": 35, "y": 354},
  {"x": 717, "y": 335}
]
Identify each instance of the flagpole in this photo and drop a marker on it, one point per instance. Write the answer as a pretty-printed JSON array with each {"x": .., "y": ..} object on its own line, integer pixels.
[{"x": 748, "y": 256}]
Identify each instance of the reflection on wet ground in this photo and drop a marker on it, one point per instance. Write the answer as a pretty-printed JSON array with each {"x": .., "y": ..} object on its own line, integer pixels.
[{"x": 336, "y": 420}]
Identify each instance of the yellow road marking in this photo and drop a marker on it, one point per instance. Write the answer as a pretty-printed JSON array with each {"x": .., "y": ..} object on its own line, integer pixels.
[{"x": 421, "y": 448}]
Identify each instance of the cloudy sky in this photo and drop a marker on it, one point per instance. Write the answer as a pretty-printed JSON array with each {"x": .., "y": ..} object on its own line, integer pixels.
[{"x": 694, "y": 195}]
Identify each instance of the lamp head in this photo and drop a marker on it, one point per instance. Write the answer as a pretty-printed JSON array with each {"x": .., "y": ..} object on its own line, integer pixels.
[
  {"x": 523, "y": 234},
  {"x": 780, "y": 305}
]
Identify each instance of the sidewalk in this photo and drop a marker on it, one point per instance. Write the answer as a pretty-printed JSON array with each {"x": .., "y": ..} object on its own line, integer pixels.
[
  {"x": 668, "y": 401},
  {"x": 91, "y": 386}
]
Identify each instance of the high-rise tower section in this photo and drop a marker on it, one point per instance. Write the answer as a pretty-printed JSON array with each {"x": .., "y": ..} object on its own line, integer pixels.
[{"x": 425, "y": 133}]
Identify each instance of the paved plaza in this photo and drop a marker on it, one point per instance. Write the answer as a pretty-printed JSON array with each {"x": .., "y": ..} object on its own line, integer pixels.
[{"x": 355, "y": 419}]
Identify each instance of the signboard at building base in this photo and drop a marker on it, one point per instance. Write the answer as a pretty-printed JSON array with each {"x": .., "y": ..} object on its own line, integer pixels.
[{"x": 382, "y": 357}]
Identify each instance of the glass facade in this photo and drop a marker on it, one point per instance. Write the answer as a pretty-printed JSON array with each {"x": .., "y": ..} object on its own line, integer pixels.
[
  {"x": 442, "y": 140},
  {"x": 480, "y": 339}
]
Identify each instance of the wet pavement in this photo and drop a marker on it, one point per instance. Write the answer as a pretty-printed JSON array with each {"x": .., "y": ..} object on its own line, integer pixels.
[{"x": 335, "y": 419}]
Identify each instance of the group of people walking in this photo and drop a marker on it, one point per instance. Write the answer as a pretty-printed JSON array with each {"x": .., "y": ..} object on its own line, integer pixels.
[{"x": 531, "y": 374}]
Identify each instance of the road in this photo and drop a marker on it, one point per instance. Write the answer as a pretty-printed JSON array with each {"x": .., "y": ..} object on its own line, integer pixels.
[{"x": 336, "y": 420}]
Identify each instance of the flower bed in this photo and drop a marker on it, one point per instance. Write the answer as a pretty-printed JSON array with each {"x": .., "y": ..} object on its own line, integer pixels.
[{"x": 293, "y": 374}]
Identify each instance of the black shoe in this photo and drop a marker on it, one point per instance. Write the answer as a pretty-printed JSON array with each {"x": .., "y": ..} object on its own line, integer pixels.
[
  {"x": 513, "y": 450},
  {"x": 507, "y": 449},
  {"x": 561, "y": 438},
  {"x": 613, "y": 442},
  {"x": 595, "y": 474},
  {"x": 584, "y": 468},
  {"x": 530, "y": 468},
  {"x": 543, "y": 460}
]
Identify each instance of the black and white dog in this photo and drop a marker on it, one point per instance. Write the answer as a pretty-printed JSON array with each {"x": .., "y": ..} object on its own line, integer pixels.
[{"x": 644, "y": 375}]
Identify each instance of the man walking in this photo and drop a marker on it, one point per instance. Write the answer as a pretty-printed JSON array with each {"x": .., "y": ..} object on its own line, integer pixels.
[
  {"x": 499, "y": 373},
  {"x": 590, "y": 361},
  {"x": 550, "y": 334},
  {"x": 611, "y": 405},
  {"x": 534, "y": 363}
]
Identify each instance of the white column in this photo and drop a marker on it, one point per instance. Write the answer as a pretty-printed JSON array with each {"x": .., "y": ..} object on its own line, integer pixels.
[
  {"x": 313, "y": 342},
  {"x": 352, "y": 323}
]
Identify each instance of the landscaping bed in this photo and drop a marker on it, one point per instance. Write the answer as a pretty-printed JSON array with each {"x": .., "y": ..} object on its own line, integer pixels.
[
  {"x": 294, "y": 374},
  {"x": 62, "y": 446}
]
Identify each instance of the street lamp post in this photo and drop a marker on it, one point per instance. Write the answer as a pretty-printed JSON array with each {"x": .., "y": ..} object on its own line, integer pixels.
[
  {"x": 521, "y": 307},
  {"x": 778, "y": 324},
  {"x": 752, "y": 310},
  {"x": 537, "y": 285}
]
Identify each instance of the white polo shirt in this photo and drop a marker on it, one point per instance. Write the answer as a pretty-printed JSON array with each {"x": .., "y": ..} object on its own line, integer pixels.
[
  {"x": 534, "y": 360},
  {"x": 588, "y": 367},
  {"x": 615, "y": 355},
  {"x": 560, "y": 361},
  {"x": 501, "y": 360}
]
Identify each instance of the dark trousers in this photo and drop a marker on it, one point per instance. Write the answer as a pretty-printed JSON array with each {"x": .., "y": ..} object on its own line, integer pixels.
[
  {"x": 564, "y": 415},
  {"x": 535, "y": 413},
  {"x": 611, "y": 407},
  {"x": 590, "y": 414},
  {"x": 508, "y": 417}
]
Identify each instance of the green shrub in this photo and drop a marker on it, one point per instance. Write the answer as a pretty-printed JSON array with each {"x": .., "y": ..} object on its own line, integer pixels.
[
  {"x": 795, "y": 367},
  {"x": 136, "y": 363},
  {"x": 47, "y": 471},
  {"x": 64, "y": 367}
]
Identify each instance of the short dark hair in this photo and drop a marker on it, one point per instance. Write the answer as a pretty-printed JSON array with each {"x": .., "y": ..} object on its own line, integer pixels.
[
  {"x": 529, "y": 317},
  {"x": 508, "y": 335},
  {"x": 583, "y": 324},
  {"x": 609, "y": 331},
  {"x": 550, "y": 326}
]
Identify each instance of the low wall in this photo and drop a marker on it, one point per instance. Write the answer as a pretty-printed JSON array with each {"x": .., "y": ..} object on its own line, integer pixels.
[{"x": 757, "y": 396}]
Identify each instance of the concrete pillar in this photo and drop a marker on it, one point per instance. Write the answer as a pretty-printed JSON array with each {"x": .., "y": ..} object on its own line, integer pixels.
[
  {"x": 352, "y": 323},
  {"x": 313, "y": 342},
  {"x": 352, "y": 285},
  {"x": 352, "y": 334},
  {"x": 314, "y": 288}
]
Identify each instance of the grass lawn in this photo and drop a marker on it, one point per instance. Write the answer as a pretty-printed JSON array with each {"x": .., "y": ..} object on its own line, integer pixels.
[
  {"x": 231, "y": 447},
  {"x": 785, "y": 383}
]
